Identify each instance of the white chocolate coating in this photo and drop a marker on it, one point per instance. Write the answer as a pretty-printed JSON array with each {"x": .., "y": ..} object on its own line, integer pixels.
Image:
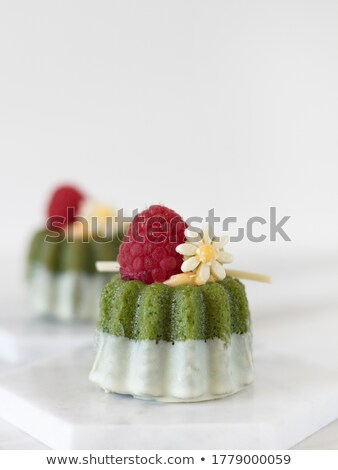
[
  {"x": 187, "y": 371},
  {"x": 65, "y": 296}
]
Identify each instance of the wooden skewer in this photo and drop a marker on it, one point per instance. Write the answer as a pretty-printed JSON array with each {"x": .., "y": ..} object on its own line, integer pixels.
[
  {"x": 113, "y": 267},
  {"x": 249, "y": 276},
  {"x": 107, "y": 266}
]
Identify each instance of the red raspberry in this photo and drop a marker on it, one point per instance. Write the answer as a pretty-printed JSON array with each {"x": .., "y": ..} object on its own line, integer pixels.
[
  {"x": 63, "y": 206},
  {"x": 147, "y": 252}
]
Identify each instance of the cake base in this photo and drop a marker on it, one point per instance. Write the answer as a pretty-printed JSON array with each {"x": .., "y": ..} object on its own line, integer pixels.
[{"x": 186, "y": 371}]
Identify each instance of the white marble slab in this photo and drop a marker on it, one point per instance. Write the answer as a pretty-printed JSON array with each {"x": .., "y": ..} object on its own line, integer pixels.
[
  {"x": 325, "y": 439},
  {"x": 294, "y": 395},
  {"x": 12, "y": 438},
  {"x": 24, "y": 338}
]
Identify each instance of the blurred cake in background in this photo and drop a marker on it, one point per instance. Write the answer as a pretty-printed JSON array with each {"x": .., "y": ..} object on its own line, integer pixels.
[{"x": 62, "y": 280}]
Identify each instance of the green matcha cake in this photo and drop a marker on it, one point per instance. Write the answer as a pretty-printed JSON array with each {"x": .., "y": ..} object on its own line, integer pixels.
[
  {"x": 182, "y": 343},
  {"x": 172, "y": 327}
]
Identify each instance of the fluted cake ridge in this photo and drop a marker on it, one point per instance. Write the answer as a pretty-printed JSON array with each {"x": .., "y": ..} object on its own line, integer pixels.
[{"x": 140, "y": 311}]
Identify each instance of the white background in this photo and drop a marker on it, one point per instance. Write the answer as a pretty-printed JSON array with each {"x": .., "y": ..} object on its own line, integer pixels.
[{"x": 228, "y": 104}]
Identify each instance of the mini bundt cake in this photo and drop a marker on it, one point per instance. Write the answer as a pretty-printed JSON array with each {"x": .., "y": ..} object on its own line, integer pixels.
[
  {"x": 61, "y": 275},
  {"x": 172, "y": 327},
  {"x": 182, "y": 343}
]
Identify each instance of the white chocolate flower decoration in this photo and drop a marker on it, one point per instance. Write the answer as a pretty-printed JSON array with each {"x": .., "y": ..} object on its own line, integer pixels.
[
  {"x": 204, "y": 257},
  {"x": 99, "y": 216}
]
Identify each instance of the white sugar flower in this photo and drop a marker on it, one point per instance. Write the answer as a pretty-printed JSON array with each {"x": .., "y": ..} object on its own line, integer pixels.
[
  {"x": 204, "y": 257},
  {"x": 98, "y": 216}
]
